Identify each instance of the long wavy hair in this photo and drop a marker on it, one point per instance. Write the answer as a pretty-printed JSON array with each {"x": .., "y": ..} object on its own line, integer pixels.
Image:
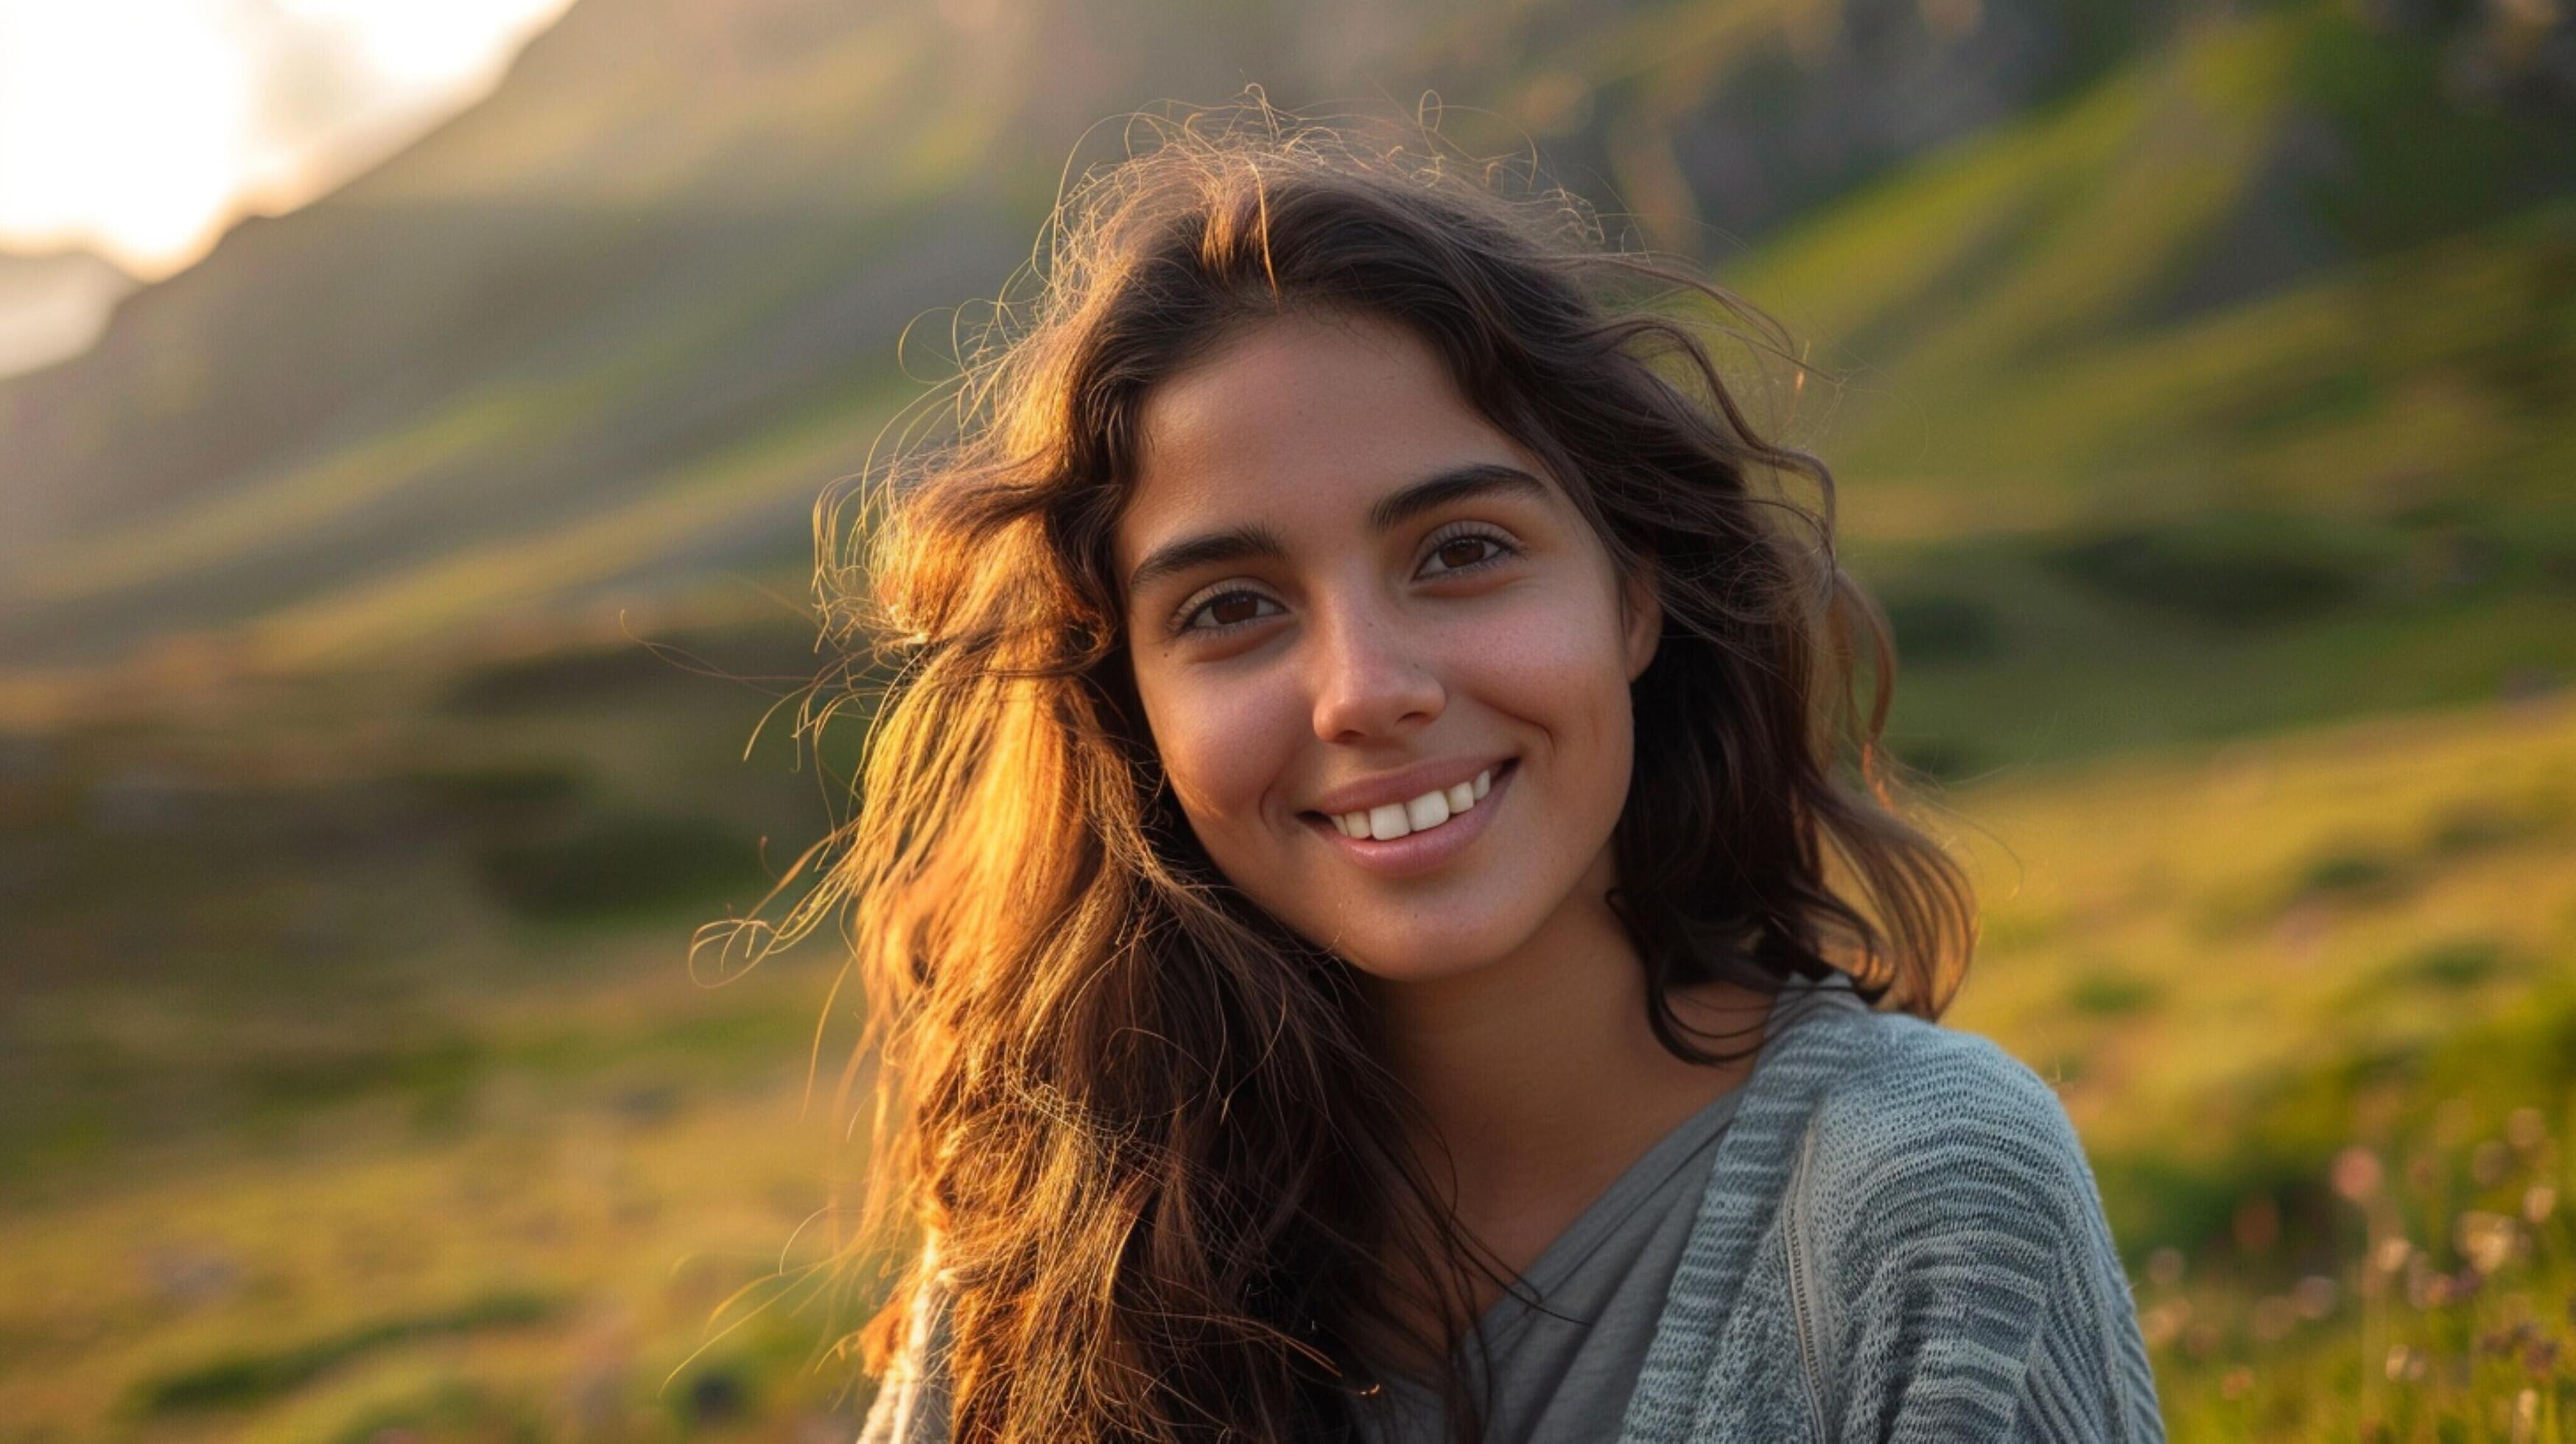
[{"x": 1129, "y": 1134}]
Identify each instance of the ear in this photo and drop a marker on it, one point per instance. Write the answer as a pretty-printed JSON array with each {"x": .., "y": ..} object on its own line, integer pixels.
[{"x": 1642, "y": 613}]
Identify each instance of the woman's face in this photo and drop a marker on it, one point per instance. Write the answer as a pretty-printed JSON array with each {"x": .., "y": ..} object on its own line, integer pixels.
[{"x": 1350, "y": 594}]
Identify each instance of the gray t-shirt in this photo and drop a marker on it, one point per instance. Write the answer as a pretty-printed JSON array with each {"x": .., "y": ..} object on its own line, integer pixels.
[{"x": 1569, "y": 1378}]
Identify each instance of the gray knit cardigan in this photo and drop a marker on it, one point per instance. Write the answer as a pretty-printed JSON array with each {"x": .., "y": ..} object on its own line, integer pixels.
[{"x": 1901, "y": 1239}]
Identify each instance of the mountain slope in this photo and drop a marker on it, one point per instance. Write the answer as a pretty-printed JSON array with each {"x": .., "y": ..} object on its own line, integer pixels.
[
  {"x": 619, "y": 324},
  {"x": 54, "y": 305}
]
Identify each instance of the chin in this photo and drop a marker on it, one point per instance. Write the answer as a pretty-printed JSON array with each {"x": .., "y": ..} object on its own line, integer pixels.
[
  {"x": 1415, "y": 969},
  {"x": 1426, "y": 958}
]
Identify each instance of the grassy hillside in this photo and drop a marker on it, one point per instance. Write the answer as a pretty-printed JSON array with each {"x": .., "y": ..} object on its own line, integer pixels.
[
  {"x": 423, "y": 1120},
  {"x": 2310, "y": 1002},
  {"x": 2117, "y": 493}
]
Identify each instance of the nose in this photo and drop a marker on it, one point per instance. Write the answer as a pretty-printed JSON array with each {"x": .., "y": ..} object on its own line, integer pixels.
[{"x": 1371, "y": 678}]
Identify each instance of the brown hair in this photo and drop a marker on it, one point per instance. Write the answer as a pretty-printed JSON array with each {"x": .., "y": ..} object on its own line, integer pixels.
[{"x": 1137, "y": 1114}]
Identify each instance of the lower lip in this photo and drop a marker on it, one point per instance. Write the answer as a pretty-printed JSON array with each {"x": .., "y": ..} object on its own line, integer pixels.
[{"x": 1420, "y": 852}]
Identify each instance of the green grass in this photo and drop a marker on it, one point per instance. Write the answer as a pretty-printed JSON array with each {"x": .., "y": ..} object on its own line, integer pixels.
[
  {"x": 263, "y": 1203},
  {"x": 246, "y": 1379},
  {"x": 617, "y": 864}
]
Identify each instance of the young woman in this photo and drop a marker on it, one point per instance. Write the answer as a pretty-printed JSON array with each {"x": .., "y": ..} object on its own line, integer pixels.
[{"x": 1381, "y": 913}]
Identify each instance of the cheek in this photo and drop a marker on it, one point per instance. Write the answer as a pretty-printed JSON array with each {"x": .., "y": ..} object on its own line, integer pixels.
[
  {"x": 1555, "y": 661},
  {"x": 1224, "y": 743}
]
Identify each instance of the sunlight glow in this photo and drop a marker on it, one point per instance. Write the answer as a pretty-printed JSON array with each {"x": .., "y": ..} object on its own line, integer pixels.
[{"x": 141, "y": 128}]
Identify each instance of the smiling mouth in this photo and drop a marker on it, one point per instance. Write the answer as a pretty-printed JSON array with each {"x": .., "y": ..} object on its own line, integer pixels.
[{"x": 1428, "y": 813}]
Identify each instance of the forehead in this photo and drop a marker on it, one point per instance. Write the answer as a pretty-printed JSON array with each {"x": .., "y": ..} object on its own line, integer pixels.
[{"x": 1296, "y": 415}]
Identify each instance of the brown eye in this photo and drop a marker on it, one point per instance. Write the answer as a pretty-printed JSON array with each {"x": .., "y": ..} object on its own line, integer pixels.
[
  {"x": 1221, "y": 613},
  {"x": 1463, "y": 551},
  {"x": 1467, "y": 552},
  {"x": 1233, "y": 607}
]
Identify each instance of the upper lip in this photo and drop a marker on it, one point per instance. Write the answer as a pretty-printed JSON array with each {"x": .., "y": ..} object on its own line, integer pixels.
[{"x": 1439, "y": 774}]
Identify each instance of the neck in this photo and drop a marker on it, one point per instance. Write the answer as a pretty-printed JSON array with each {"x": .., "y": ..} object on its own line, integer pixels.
[{"x": 1540, "y": 1071}]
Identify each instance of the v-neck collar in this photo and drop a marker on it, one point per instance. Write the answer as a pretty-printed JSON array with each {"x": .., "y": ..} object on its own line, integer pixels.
[
  {"x": 1676, "y": 1148},
  {"x": 1613, "y": 1206}
]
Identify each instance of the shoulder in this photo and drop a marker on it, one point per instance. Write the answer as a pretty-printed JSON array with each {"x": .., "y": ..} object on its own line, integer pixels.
[
  {"x": 1946, "y": 1247},
  {"x": 1933, "y": 1128},
  {"x": 911, "y": 1404}
]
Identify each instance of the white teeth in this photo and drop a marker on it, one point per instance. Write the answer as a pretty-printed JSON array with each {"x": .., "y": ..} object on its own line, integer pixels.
[{"x": 1431, "y": 809}]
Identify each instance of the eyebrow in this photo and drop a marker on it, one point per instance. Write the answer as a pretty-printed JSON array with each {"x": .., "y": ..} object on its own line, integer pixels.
[{"x": 1242, "y": 543}]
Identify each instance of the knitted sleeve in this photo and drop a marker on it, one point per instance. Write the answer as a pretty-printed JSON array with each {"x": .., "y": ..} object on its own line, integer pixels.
[{"x": 1965, "y": 1282}]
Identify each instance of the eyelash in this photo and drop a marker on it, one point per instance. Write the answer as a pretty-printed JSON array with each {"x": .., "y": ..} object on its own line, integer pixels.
[{"x": 1456, "y": 531}]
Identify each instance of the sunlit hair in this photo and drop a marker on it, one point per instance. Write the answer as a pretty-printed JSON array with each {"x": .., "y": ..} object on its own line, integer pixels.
[{"x": 1142, "y": 1119}]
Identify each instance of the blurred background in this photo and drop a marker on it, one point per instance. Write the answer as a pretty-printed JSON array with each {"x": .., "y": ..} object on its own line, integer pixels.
[{"x": 414, "y": 420}]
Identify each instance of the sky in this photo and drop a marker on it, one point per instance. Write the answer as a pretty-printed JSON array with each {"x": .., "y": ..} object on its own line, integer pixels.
[{"x": 141, "y": 128}]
